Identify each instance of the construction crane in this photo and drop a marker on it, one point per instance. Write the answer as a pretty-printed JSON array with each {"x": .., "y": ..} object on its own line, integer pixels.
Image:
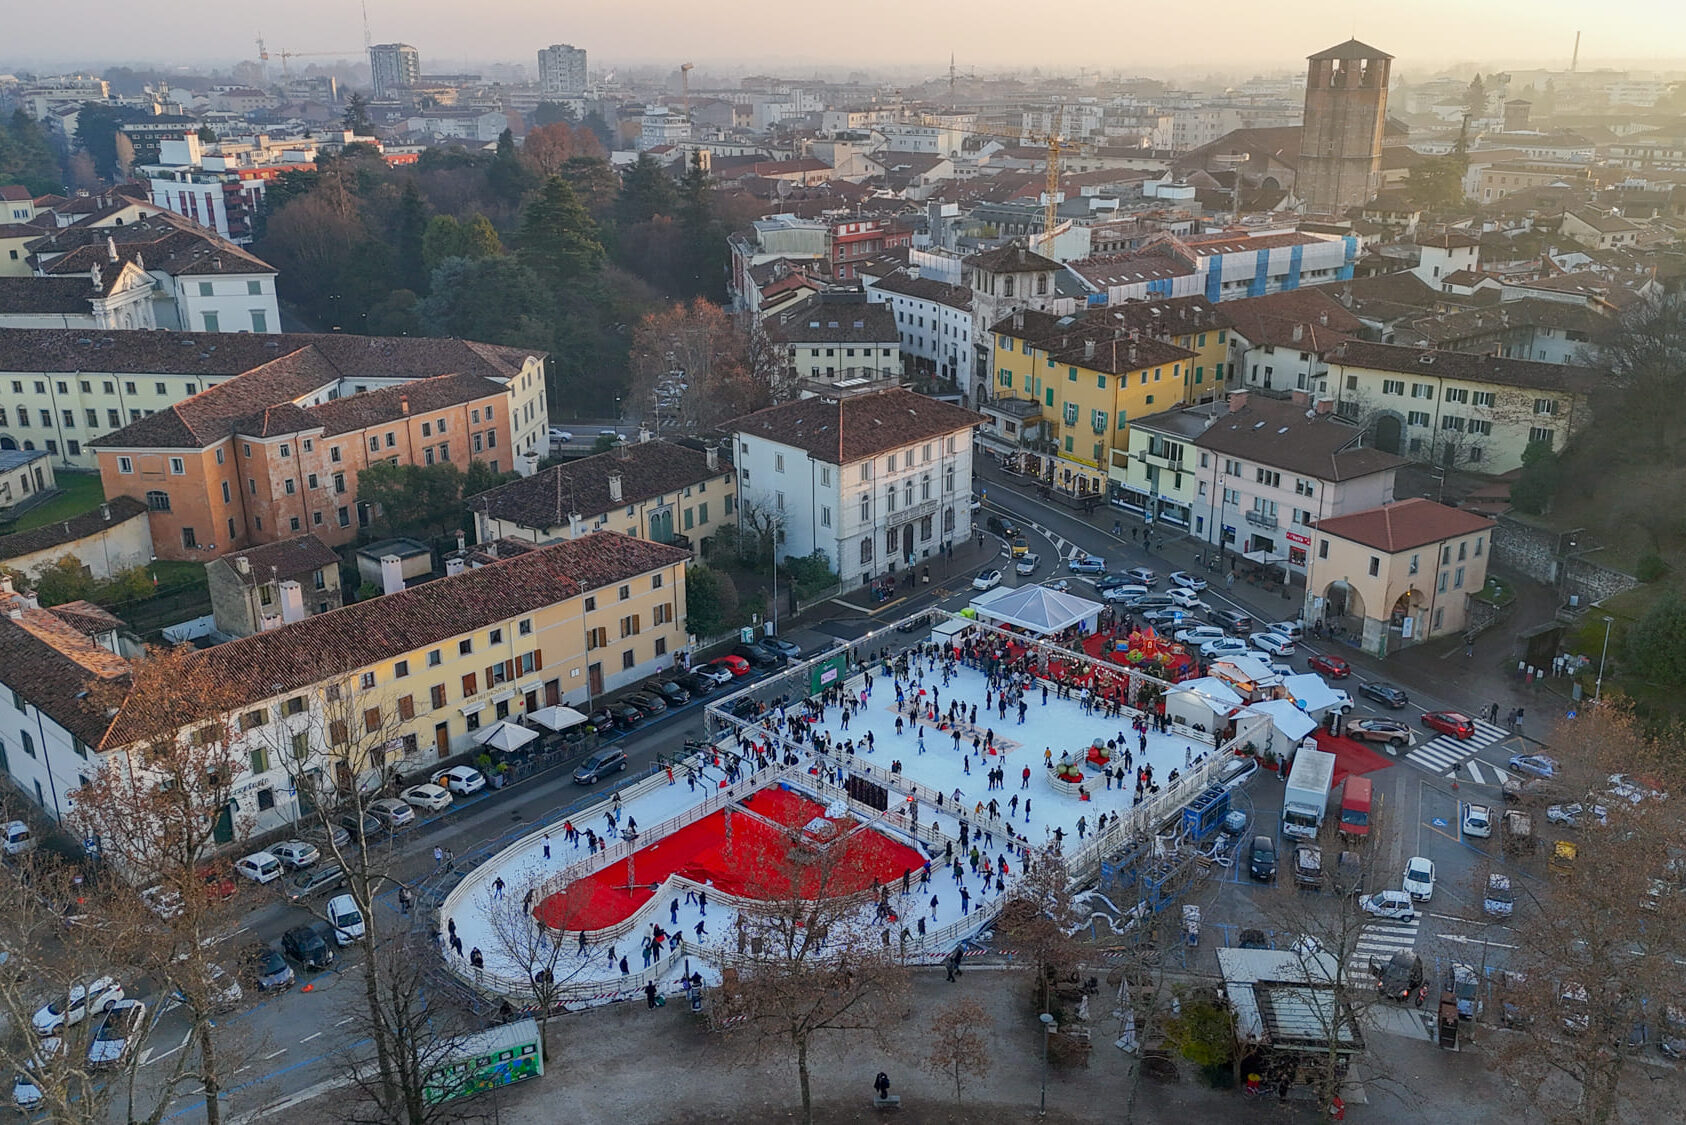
[
  {"x": 285, "y": 55},
  {"x": 1052, "y": 197},
  {"x": 263, "y": 57},
  {"x": 685, "y": 86}
]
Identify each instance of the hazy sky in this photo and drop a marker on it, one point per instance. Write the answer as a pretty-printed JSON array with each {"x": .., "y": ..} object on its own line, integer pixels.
[{"x": 1242, "y": 36}]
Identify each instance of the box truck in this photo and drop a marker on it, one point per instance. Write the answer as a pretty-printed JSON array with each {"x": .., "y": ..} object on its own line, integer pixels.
[
  {"x": 1355, "y": 807},
  {"x": 1306, "y": 795}
]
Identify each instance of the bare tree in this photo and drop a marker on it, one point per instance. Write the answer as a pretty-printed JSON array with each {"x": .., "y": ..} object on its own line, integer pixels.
[
  {"x": 815, "y": 959},
  {"x": 1040, "y": 920},
  {"x": 539, "y": 947},
  {"x": 1596, "y": 946},
  {"x": 959, "y": 1043},
  {"x": 160, "y": 802}
]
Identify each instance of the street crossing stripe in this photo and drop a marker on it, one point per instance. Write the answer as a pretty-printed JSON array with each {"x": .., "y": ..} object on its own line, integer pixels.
[{"x": 1442, "y": 754}]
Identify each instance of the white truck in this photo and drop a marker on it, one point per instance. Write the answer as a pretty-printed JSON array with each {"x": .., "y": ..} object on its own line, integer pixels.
[{"x": 1306, "y": 796}]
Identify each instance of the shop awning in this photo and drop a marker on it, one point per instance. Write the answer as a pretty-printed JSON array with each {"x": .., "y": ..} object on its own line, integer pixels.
[
  {"x": 556, "y": 718},
  {"x": 504, "y": 735}
]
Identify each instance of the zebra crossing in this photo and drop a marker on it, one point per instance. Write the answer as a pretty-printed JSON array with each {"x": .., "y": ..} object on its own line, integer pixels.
[
  {"x": 1483, "y": 773},
  {"x": 1442, "y": 755},
  {"x": 1380, "y": 940}
]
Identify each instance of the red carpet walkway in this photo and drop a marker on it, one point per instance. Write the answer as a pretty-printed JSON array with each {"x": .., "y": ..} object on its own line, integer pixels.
[
  {"x": 748, "y": 864},
  {"x": 1350, "y": 756}
]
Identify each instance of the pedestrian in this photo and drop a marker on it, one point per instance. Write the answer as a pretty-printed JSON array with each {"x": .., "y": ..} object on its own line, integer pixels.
[
  {"x": 582, "y": 943},
  {"x": 497, "y": 888},
  {"x": 881, "y": 1084},
  {"x": 547, "y": 845},
  {"x": 450, "y": 860},
  {"x": 673, "y": 913},
  {"x": 405, "y": 899},
  {"x": 438, "y": 857},
  {"x": 702, "y": 903},
  {"x": 478, "y": 960},
  {"x": 650, "y": 995},
  {"x": 702, "y": 928},
  {"x": 625, "y": 968},
  {"x": 526, "y": 903}
]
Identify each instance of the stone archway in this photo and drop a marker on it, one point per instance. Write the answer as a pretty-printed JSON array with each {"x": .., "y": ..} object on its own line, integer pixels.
[
  {"x": 8, "y": 443},
  {"x": 1389, "y": 432},
  {"x": 1343, "y": 604}
]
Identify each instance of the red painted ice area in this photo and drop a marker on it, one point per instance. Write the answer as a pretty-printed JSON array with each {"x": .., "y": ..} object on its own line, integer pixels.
[{"x": 702, "y": 853}]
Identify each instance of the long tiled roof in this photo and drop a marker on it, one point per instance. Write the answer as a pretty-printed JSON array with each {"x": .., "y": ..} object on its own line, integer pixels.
[
  {"x": 213, "y": 414},
  {"x": 843, "y": 430},
  {"x": 1280, "y": 434},
  {"x": 548, "y": 498},
  {"x": 1066, "y": 340},
  {"x": 52, "y": 665},
  {"x": 1467, "y": 367},
  {"x": 331, "y": 644},
  {"x": 387, "y": 404},
  {"x": 164, "y": 241},
  {"x": 1400, "y": 526},
  {"x": 61, "y": 532},
  {"x": 71, "y": 295},
  {"x": 1272, "y": 319},
  {"x": 283, "y": 559}
]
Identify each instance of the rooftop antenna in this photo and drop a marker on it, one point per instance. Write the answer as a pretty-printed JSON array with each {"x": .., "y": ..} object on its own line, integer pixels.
[
  {"x": 1576, "y": 57},
  {"x": 367, "y": 40}
]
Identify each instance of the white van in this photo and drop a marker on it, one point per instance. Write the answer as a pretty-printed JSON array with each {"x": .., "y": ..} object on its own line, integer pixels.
[
  {"x": 345, "y": 918},
  {"x": 18, "y": 839},
  {"x": 259, "y": 867}
]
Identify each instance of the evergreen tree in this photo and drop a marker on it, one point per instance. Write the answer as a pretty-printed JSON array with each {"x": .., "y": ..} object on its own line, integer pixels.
[
  {"x": 554, "y": 113},
  {"x": 25, "y": 156},
  {"x": 96, "y": 134},
  {"x": 558, "y": 239},
  {"x": 356, "y": 116},
  {"x": 1475, "y": 98},
  {"x": 508, "y": 176},
  {"x": 646, "y": 191},
  {"x": 411, "y": 230}
]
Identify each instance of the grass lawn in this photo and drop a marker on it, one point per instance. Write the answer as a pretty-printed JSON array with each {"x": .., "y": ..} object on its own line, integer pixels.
[
  {"x": 171, "y": 575},
  {"x": 78, "y": 492}
]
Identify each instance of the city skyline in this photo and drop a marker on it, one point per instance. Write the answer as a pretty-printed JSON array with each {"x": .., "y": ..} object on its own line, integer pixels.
[{"x": 1540, "y": 34}]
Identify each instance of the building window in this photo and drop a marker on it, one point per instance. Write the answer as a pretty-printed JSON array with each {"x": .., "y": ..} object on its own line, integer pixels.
[
  {"x": 1542, "y": 435},
  {"x": 124, "y": 465},
  {"x": 1375, "y": 566},
  {"x": 158, "y": 501},
  {"x": 1545, "y": 406},
  {"x": 178, "y": 467}
]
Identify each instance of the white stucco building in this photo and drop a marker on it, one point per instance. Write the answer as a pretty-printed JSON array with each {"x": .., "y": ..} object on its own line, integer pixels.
[
  {"x": 877, "y": 480},
  {"x": 933, "y": 320}
]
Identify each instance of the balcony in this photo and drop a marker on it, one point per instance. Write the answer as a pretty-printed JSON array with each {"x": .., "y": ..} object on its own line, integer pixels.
[{"x": 1262, "y": 519}]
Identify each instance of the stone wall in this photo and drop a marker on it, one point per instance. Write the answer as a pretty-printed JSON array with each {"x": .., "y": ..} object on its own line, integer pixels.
[{"x": 1543, "y": 555}]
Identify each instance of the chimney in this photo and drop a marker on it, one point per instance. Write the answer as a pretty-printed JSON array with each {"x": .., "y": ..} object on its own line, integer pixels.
[
  {"x": 1237, "y": 401},
  {"x": 573, "y": 525},
  {"x": 110, "y": 249},
  {"x": 453, "y": 566},
  {"x": 615, "y": 488},
  {"x": 1323, "y": 318},
  {"x": 644, "y": 435},
  {"x": 461, "y": 541},
  {"x": 1088, "y": 349},
  {"x": 6, "y": 586},
  {"x": 105, "y": 512},
  {"x": 94, "y": 276},
  {"x": 1325, "y": 405},
  {"x": 711, "y": 456},
  {"x": 292, "y": 602},
  {"x": 392, "y": 574},
  {"x": 1299, "y": 333},
  {"x": 1300, "y": 398},
  {"x": 404, "y": 405},
  {"x": 243, "y": 564},
  {"x": 1018, "y": 319}
]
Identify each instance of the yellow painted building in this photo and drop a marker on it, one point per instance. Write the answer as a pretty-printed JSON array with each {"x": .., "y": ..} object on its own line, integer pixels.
[{"x": 1088, "y": 378}]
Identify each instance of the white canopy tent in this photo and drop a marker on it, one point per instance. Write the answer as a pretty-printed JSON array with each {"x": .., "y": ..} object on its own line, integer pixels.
[
  {"x": 556, "y": 718},
  {"x": 1037, "y": 609},
  {"x": 504, "y": 735},
  {"x": 1204, "y": 702},
  {"x": 1313, "y": 694},
  {"x": 1290, "y": 722}
]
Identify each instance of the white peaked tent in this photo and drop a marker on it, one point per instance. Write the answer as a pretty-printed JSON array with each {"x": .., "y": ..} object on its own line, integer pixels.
[
  {"x": 1289, "y": 721},
  {"x": 557, "y": 718},
  {"x": 1038, "y": 610},
  {"x": 505, "y": 735}
]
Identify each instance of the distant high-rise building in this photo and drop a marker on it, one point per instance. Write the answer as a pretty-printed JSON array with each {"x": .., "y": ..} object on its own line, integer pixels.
[
  {"x": 562, "y": 70},
  {"x": 1341, "y": 143},
  {"x": 393, "y": 65}
]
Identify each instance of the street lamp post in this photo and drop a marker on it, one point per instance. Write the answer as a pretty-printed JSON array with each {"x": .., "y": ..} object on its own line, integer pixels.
[
  {"x": 1047, "y": 1031},
  {"x": 1598, "y": 688}
]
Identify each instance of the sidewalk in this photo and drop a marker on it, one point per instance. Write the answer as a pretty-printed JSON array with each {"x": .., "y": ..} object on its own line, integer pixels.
[{"x": 947, "y": 576}]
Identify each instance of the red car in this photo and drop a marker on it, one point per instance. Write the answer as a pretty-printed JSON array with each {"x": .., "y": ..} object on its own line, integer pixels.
[
  {"x": 1450, "y": 722},
  {"x": 219, "y": 885},
  {"x": 736, "y": 665},
  {"x": 1332, "y": 666}
]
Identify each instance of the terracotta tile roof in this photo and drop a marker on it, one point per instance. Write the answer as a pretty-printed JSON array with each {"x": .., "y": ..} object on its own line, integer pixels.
[
  {"x": 1449, "y": 239},
  {"x": 1066, "y": 340},
  {"x": 1272, "y": 319},
  {"x": 1403, "y": 525},
  {"x": 926, "y": 289},
  {"x": 852, "y": 428},
  {"x": 327, "y": 645},
  {"x": 213, "y": 414},
  {"x": 818, "y": 320},
  {"x": 62, "y": 295},
  {"x": 164, "y": 240},
  {"x": 52, "y": 664},
  {"x": 1280, "y": 434},
  {"x": 1466, "y": 367},
  {"x": 1169, "y": 316},
  {"x": 278, "y": 561},
  {"x": 273, "y": 421},
  {"x": 1011, "y": 258},
  {"x": 86, "y": 618},
  {"x": 647, "y": 469},
  {"x": 14, "y": 193},
  {"x": 61, "y": 532},
  {"x": 386, "y": 404}
]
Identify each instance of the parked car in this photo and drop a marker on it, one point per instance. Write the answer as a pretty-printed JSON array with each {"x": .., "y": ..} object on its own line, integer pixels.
[
  {"x": 1632, "y": 789},
  {"x": 733, "y": 663},
  {"x": 1261, "y": 859},
  {"x": 73, "y": 1007},
  {"x": 600, "y": 765},
  {"x": 670, "y": 691},
  {"x": 1184, "y": 598},
  {"x": 1400, "y": 977},
  {"x": 1450, "y": 722},
  {"x": 361, "y": 827},
  {"x": 987, "y": 579},
  {"x": 1231, "y": 620},
  {"x": 1252, "y": 939},
  {"x": 307, "y": 946},
  {"x": 1124, "y": 595},
  {"x": 17, "y": 838},
  {"x": 1349, "y": 873},
  {"x": 1308, "y": 866},
  {"x": 1534, "y": 765},
  {"x": 219, "y": 883},
  {"x": 259, "y": 867},
  {"x": 1273, "y": 643},
  {"x": 1086, "y": 564},
  {"x": 1570, "y": 815},
  {"x": 1187, "y": 581},
  {"x": 1142, "y": 576},
  {"x": 345, "y": 919},
  {"x": 1332, "y": 666},
  {"x": 221, "y": 992},
  {"x": 332, "y": 836},
  {"x": 790, "y": 650},
  {"x": 1500, "y": 900},
  {"x": 1293, "y": 630},
  {"x": 1383, "y": 692},
  {"x": 1419, "y": 878},
  {"x": 1465, "y": 988},
  {"x": 1477, "y": 820},
  {"x": 1199, "y": 635},
  {"x": 1572, "y": 998},
  {"x": 1024, "y": 564},
  {"x": 1167, "y": 618},
  {"x": 1390, "y": 731},
  {"x": 118, "y": 1033},
  {"x": 759, "y": 656},
  {"x": 392, "y": 812},
  {"x": 1220, "y": 649},
  {"x": 265, "y": 969},
  {"x": 1671, "y": 1040},
  {"x": 462, "y": 780},
  {"x": 626, "y": 716},
  {"x": 714, "y": 672},
  {"x": 1110, "y": 581},
  {"x": 314, "y": 881},
  {"x": 1395, "y": 906},
  {"x": 648, "y": 703},
  {"x": 697, "y": 684},
  {"x": 427, "y": 797},
  {"x": 295, "y": 854}
]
